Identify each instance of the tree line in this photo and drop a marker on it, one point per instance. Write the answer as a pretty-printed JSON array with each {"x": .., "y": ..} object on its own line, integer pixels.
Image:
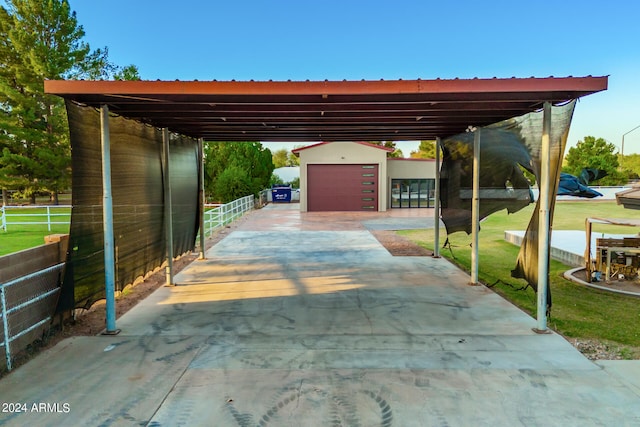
[
  {"x": 42, "y": 40},
  {"x": 236, "y": 169},
  {"x": 599, "y": 154},
  {"x": 588, "y": 153}
]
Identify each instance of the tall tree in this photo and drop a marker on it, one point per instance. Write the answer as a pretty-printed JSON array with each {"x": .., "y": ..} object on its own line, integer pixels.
[
  {"x": 41, "y": 40},
  {"x": 630, "y": 164},
  {"x": 129, "y": 72},
  {"x": 233, "y": 183},
  {"x": 280, "y": 158},
  {"x": 292, "y": 159},
  {"x": 426, "y": 150},
  {"x": 389, "y": 144},
  {"x": 283, "y": 158},
  {"x": 594, "y": 153},
  {"x": 251, "y": 158}
]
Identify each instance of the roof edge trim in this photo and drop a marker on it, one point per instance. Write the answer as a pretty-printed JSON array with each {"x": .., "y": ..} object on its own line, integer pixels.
[{"x": 351, "y": 87}]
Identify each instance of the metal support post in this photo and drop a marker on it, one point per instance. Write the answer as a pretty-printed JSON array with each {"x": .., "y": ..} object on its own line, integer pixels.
[
  {"x": 436, "y": 219},
  {"x": 107, "y": 221},
  {"x": 475, "y": 207},
  {"x": 544, "y": 220},
  {"x": 587, "y": 251},
  {"x": 168, "y": 208},
  {"x": 5, "y": 326},
  {"x": 202, "y": 200}
]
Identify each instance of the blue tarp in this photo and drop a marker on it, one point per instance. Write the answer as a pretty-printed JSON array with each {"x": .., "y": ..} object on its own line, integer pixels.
[{"x": 572, "y": 186}]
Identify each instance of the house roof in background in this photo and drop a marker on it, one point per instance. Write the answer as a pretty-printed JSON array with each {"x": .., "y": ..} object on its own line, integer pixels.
[{"x": 297, "y": 151}]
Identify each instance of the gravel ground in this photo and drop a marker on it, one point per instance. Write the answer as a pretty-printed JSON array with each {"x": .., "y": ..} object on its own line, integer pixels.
[{"x": 596, "y": 350}]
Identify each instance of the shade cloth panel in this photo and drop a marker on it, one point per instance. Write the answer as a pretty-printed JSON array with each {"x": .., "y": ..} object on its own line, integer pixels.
[
  {"x": 139, "y": 219},
  {"x": 507, "y": 149}
]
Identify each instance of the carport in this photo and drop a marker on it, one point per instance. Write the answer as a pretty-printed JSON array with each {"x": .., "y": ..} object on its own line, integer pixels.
[{"x": 326, "y": 111}]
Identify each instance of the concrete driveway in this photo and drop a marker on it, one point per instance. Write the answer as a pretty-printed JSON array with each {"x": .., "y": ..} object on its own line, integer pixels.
[{"x": 306, "y": 320}]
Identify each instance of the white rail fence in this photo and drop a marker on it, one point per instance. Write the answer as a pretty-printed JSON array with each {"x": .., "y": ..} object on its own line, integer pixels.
[
  {"x": 219, "y": 215},
  {"x": 21, "y": 307},
  {"x": 34, "y": 215},
  {"x": 215, "y": 215},
  {"x": 25, "y": 301}
]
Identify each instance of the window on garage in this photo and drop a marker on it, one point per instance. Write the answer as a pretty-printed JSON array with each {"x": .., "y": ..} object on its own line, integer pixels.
[{"x": 412, "y": 193}]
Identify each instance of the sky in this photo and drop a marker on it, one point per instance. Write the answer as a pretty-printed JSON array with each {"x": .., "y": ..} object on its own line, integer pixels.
[{"x": 374, "y": 39}]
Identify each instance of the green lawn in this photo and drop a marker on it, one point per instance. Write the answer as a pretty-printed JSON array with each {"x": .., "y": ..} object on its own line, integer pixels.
[
  {"x": 25, "y": 236},
  {"x": 19, "y": 237},
  {"x": 577, "y": 312}
]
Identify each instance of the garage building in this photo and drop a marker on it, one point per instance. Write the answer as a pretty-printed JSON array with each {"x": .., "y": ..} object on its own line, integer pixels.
[{"x": 358, "y": 176}]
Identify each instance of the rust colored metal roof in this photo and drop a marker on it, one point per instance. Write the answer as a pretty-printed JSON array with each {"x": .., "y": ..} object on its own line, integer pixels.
[{"x": 325, "y": 110}]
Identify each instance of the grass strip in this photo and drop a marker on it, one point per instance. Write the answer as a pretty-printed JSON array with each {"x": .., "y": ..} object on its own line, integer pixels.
[{"x": 578, "y": 311}]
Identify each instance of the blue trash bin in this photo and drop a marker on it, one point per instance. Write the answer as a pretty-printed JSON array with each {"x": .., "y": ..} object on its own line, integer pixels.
[{"x": 281, "y": 194}]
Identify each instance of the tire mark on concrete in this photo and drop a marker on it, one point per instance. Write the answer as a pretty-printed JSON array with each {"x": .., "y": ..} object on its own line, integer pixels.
[
  {"x": 341, "y": 404},
  {"x": 125, "y": 405},
  {"x": 386, "y": 414},
  {"x": 242, "y": 419},
  {"x": 363, "y": 311},
  {"x": 169, "y": 358},
  {"x": 120, "y": 409},
  {"x": 343, "y": 412},
  {"x": 441, "y": 419},
  {"x": 180, "y": 414}
]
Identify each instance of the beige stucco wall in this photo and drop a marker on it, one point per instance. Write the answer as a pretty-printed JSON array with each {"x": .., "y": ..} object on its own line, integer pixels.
[
  {"x": 344, "y": 153},
  {"x": 411, "y": 168}
]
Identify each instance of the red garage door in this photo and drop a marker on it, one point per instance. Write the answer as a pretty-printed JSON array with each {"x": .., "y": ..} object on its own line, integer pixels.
[{"x": 342, "y": 187}]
